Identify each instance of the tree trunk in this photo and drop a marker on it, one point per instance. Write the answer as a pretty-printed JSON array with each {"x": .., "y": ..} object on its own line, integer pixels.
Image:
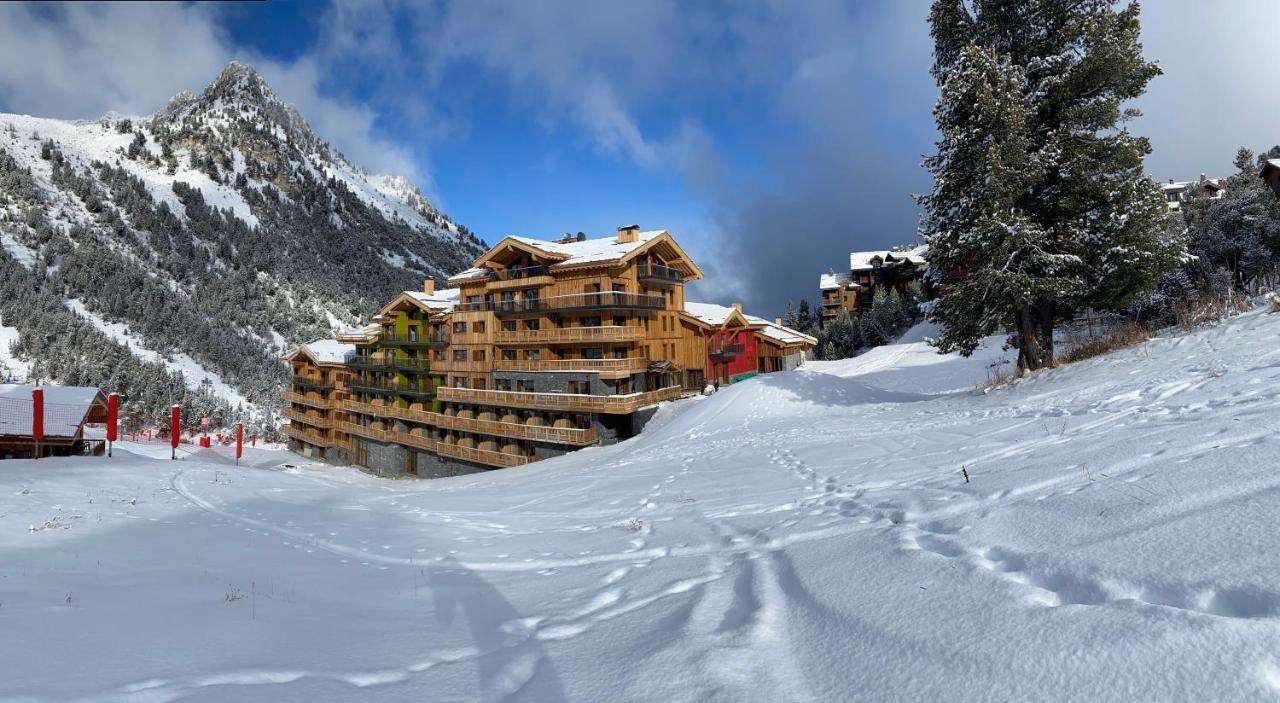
[
  {"x": 1029, "y": 354},
  {"x": 1046, "y": 312}
]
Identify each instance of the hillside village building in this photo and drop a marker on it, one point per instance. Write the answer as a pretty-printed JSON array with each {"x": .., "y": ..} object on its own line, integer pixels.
[
  {"x": 869, "y": 272},
  {"x": 541, "y": 348},
  {"x": 1176, "y": 193}
]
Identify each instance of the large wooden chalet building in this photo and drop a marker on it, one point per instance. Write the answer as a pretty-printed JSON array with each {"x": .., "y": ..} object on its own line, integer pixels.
[
  {"x": 540, "y": 348},
  {"x": 869, "y": 272}
]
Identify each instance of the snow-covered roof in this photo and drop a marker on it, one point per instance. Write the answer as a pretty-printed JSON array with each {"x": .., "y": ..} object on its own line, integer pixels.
[
  {"x": 443, "y": 298},
  {"x": 832, "y": 281},
  {"x": 65, "y": 408},
  {"x": 324, "y": 351},
  {"x": 1270, "y": 163},
  {"x": 916, "y": 255},
  {"x": 590, "y": 250},
  {"x": 861, "y": 260},
  {"x": 782, "y": 333},
  {"x": 709, "y": 313},
  {"x": 1175, "y": 185}
]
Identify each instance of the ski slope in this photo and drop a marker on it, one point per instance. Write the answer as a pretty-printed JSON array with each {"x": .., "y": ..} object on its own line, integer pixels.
[{"x": 798, "y": 536}]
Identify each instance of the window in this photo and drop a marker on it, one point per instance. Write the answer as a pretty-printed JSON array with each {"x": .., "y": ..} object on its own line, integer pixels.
[
  {"x": 593, "y": 353},
  {"x": 619, "y": 288},
  {"x": 502, "y": 384},
  {"x": 508, "y": 354},
  {"x": 440, "y": 355},
  {"x": 619, "y": 352},
  {"x": 580, "y": 387},
  {"x": 413, "y": 333},
  {"x": 591, "y": 322},
  {"x": 533, "y": 354},
  {"x": 619, "y": 321},
  {"x": 508, "y": 325},
  {"x": 477, "y": 355},
  {"x": 459, "y": 354},
  {"x": 460, "y": 382},
  {"x": 531, "y": 324},
  {"x": 473, "y": 298},
  {"x": 459, "y": 327},
  {"x": 478, "y": 327},
  {"x": 524, "y": 385}
]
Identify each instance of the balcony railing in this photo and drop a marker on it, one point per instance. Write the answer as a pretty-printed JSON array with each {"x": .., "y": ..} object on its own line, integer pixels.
[
  {"x": 480, "y": 456},
  {"x": 588, "y": 365},
  {"x": 312, "y": 384},
  {"x": 517, "y": 273},
  {"x": 570, "y": 335},
  {"x": 307, "y": 419},
  {"x": 419, "y": 390},
  {"x": 313, "y": 401},
  {"x": 422, "y": 340},
  {"x": 727, "y": 350},
  {"x": 573, "y": 302},
  {"x": 655, "y": 273},
  {"x": 537, "y": 433},
  {"x": 419, "y": 364},
  {"x": 407, "y": 414},
  {"x": 609, "y": 404},
  {"x": 306, "y": 435}
]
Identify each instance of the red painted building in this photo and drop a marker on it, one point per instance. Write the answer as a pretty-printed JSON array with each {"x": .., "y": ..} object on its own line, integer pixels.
[{"x": 731, "y": 354}]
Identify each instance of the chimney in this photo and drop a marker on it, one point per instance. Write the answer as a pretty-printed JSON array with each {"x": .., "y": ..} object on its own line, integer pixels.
[
  {"x": 429, "y": 286},
  {"x": 628, "y": 234},
  {"x": 777, "y": 321},
  {"x": 1170, "y": 181}
]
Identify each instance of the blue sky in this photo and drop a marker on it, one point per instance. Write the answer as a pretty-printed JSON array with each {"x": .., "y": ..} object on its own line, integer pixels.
[{"x": 771, "y": 138}]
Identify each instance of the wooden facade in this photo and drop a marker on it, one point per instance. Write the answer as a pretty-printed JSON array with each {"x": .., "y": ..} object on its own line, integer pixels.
[{"x": 541, "y": 348}]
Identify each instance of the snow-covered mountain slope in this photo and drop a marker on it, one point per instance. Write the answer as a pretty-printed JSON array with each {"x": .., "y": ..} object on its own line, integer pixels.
[
  {"x": 218, "y": 228},
  {"x": 798, "y": 536}
]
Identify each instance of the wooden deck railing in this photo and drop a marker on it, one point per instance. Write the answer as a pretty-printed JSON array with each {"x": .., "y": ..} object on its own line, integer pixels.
[
  {"x": 538, "y": 433},
  {"x": 308, "y": 436},
  {"x": 307, "y": 419},
  {"x": 602, "y": 365},
  {"x": 542, "y": 433},
  {"x": 603, "y": 333},
  {"x": 308, "y": 399},
  {"x": 480, "y": 456},
  {"x": 610, "y": 404}
]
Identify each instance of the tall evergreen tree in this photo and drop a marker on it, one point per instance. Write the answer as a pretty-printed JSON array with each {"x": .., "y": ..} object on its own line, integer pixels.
[{"x": 1040, "y": 206}]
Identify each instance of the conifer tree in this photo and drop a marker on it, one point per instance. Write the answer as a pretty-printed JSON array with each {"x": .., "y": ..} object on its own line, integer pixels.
[{"x": 1040, "y": 206}]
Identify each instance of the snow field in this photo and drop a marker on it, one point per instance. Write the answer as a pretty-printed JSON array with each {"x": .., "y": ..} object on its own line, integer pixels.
[{"x": 798, "y": 536}]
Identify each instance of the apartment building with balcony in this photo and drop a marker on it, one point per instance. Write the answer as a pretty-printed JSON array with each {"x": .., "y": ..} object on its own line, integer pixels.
[
  {"x": 317, "y": 384},
  {"x": 870, "y": 272},
  {"x": 541, "y": 348}
]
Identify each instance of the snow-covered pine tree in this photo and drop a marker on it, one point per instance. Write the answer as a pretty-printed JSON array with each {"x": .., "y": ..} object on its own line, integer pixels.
[
  {"x": 1079, "y": 202},
  {"x": 990, "y": 258}
]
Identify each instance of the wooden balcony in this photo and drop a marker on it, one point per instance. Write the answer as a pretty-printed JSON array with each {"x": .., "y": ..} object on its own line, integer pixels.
[
  {"x": 572, "y": 335},
  {"x": 356, "y": 429},
  {"x": 523, "y": 277},
  {"x": 313, "y": 400},
  {"x": 309, "y": 436},
  {"x": 480, "y": 456},
  {"x": 608, "y": 404},
  {"x": 298, "y": 416},
  {"x": 726, "y": 351},
  {"x": 422, "y": 340},
  {"x": 657, "y": 274},
  {"x": 407, "y": 414},
  {"x": 605, "y": 367},
  {"x": 537, "y": 433},
  {"x": 311, "y": 384},
  {"x": 416, "y": 365}
]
